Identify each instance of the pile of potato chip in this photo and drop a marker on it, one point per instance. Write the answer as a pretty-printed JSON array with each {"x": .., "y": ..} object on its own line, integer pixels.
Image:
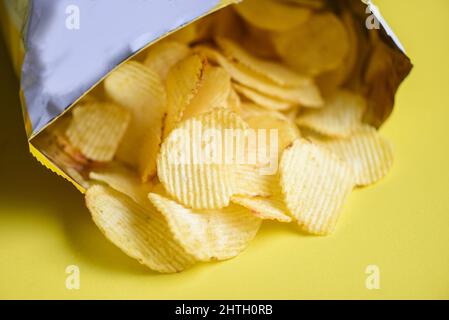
[{"x": 286, "y": 68}]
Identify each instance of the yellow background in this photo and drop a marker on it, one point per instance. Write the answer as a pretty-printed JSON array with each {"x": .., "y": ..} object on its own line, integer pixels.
[{"x": 401, "y": 224}]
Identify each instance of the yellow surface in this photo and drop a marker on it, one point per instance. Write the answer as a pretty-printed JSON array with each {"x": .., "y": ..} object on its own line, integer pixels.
[{"x": 401, "y": 224}]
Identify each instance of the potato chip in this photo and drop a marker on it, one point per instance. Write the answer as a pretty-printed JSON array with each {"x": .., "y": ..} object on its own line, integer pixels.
[
  {"x": 313, "y": 4},
  {"x": 162, "y": 56},
  {"x": 183, "y": 83},
  {"x": 261, "y": 99},
  {"x": 366, "y": 151},
  {"x": 291, "y": 114},
  {"x": 97, "y": 129},
  {"x": 140, "y": 232},
  {"x": 340, "y": 117},
  {"x": 226, "y": 23},
  {"x": 252, "y": 182},
  {"x": 213, "y": 92},
  {"x": 258, "y": 42},
  {"x": 149, "y": 150},
  {"x": 124, "y": 181},
  {"x": 273, "y": 15},
  {"x": 330, "y": 81},
  {"x": 286, "y": 130},
  {"x": 55, "y": 142},
  {"x": 261, "y": 194},
  {"x": 269, "y": 208},
  {"x": 233, "y": 101},
  {"x": 59, "y": 151},
  {"x": 249, "y": 109},
  {"x": 315, "y": 184},
  {"x": 140, "y": 90},
  {"x": 192, "y": 165},
  {"x": 320, "y": 46},
  {"x": 209, "y": 234},
  {"x": 273, "y": 71},
  {"x": 307, "y": 95},
  {"x": 187, "y": 34}
]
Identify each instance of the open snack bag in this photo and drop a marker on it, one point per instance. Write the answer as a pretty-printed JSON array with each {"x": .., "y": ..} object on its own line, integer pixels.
[{"x": 188, "y": 123}]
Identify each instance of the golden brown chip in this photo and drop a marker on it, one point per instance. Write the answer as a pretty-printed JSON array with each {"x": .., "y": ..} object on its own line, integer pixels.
[
  {"x": 261, "y": 99},
  {"x": 252, "y": 182},
  {"x": 340, "y": 117},
  {"x": 183, "y": 83},
  {"x": 307, "y": 95},
  {"x": 313, "y": 4},
  {"x": 331, "y": 80},
  {"x": 140, "y": 90},
  {"x": 315, "y": 184},
  {"x": 149, "y": 150},
  {"x": 265, "y": 199},
  {"x": 193, "y": 165},
  {"x": 124, "y": 181},
  {"x": 265, "y": 208},
  {"x": 97, "y": 129},
  {"x": 209, "y": 234},
  {"x": 234, "y": 102},
  {"x": 273, "y": 71},
  {"x": 273, "y": 15},
  {"x": 162, "y": 56},
  {"x": 140, "y": 232},
  {"x": 366, "y": 151},
  {"x": 213, "y": 92},
  {"x": 286, "y": 130},
  {"x": 258, "y": 42},
  {"x": 188, "y": 34},
  {"x": 320, "y": 46},
  {"x": 249, "y": 109},
  {"x": 225, "y": 23}
]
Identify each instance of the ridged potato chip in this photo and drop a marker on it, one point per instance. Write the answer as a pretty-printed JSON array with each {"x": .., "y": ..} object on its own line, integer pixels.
[
  {"x": 261, "y": 99},
  {"x": 307, "y": 95},
  {"x": 266, "y": 200},
  {"x": 315, "y": 184},
  {"x": 209, "y": 234},
  {"x": 366, "y": 151},
  {"x": 287, "y": 131},
  {"x": 162, "y": 56},
  {"x": 320, "y": 46},
  {"x": 183, "y": 83},
  {"x": 252, "y": 182},
  {"x": 213, "y": 92},
  {"x": 192, "y": 165},
  {"x": 140, "y": 232},
  {"x": 276, "y": 72},
  {"x": 124, "y": 181},
  {"x": 97, "y": 129},
  {"x": 341, "y": 116},
  {"x": 265, "y": 208},
  {"x": 273, "y": 15},
  {"x": 140, "y": 90},
  {"x": 58, "y": 150}
]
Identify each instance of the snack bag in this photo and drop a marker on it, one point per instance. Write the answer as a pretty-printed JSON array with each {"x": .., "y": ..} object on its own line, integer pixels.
[{"x": 188, "y": 123}]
